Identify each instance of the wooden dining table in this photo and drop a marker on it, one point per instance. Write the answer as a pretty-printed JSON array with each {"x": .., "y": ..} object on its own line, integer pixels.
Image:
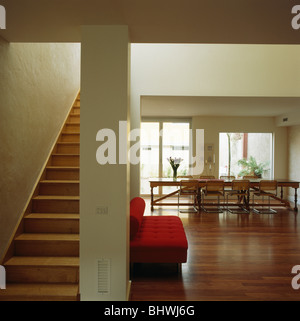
[{"x": 254, "y": 184}]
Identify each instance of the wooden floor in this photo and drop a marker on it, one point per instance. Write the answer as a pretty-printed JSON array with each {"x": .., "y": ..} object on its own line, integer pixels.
[{"x": 238, "y": 257}]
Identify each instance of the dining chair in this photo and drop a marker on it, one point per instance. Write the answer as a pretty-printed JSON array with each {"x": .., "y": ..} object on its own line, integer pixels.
[
  {"x": 207, "y": 177},
  {"x": 213, "y": 189},
  {"x": 229, "y": 178},
  {"x": 185, "y": 176},
  {"x": 189, "y": 188},
  {"x": 251, "y": 177},
  {"x": 267, "y": 188},
  {"x": 240, "y": 188}
]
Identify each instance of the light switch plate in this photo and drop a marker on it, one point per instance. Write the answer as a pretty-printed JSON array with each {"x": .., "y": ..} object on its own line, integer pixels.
[{"x": 102, "y": 210}]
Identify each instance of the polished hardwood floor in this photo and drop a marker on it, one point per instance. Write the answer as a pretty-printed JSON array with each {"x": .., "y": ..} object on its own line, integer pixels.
[{"x": 232, "y": 257}]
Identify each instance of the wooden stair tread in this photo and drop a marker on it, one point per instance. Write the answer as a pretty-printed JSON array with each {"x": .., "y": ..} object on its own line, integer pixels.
[
  {"x": 57, "y": 197},
  {"x": 42, "y": 261},
  {"x": 63, "y": 167},
  {"x": 70, "y": 134},
  {"x": 47, "y": 237},
  {"x": 69, "y": 143},
  {"x": 53, "y": 216},
  {"x": 49, "y": 181},
  {"x": 30, "y": 292},
  {"x": 72, "y": 128},
  {"x": 65, "y": 155}
]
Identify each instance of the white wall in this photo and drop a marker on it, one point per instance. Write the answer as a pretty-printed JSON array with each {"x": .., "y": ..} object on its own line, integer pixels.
[
  {"x": 38, "y": 83},
  {"x": 289, "y": 118},
  {"x": 216, "y": 70},
  {"x": 294, "y": 158}
]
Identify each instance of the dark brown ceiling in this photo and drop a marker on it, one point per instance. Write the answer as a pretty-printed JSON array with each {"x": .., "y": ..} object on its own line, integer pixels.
[{"x": 154, "y": 21}]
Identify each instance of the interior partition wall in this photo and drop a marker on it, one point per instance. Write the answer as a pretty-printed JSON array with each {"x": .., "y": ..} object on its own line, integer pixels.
[{"x": 104, "y": 187}]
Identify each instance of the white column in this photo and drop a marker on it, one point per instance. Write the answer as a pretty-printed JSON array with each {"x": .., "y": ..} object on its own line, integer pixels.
[
  {"x": 135, "y": 121},
  {"x": 104, "y": 189}
]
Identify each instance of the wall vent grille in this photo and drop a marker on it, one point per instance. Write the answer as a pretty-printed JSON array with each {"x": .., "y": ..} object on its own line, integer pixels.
[{"x": 104, "y": 276}]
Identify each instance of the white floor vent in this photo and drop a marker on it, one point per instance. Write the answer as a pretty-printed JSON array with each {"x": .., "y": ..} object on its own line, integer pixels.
[{"x": 104, "y": 276}]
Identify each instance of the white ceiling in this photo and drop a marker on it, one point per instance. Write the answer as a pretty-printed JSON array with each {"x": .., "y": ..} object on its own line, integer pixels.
[
  {"x": 165, "y": 106},
  {"x": 153, "y": 21}
]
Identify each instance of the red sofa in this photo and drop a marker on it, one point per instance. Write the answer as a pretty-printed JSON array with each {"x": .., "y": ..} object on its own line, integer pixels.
[{"x": 155, "y": 239}]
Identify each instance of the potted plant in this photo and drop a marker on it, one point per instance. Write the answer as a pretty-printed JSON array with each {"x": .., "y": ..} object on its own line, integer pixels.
[{"x": 251, "y": 167}]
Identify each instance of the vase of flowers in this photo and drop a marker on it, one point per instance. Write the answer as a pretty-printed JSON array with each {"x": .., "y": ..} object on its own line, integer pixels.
[{"x": 174, "y": 162}]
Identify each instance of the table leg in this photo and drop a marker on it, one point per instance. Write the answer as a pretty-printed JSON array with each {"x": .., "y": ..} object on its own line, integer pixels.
[
  {"x": 248, "y": 200},
  {"x": 296, "y": 200},
  {"x": 199, "y": 199},
  {"x": 152, "y": 207}
]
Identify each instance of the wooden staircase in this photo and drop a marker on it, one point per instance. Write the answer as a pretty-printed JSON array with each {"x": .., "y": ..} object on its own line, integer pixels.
[{"x": 42, "y": 262}]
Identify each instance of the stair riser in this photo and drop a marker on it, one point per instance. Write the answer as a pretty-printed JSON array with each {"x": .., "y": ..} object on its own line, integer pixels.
[
  {"x": 68, "y": 189},
  {"x": 51, "y": 226},
  {"x": 31, "y": 274},
  {"x": 70, "y": 138},
  {"x": 68, "y": 149},
  {"x": 74, "y": 118},
  {"x": 75, "y": 111},
  {"x": 55, "y": 206},
  {"x": 72, "y": 128},
  {"x": 47, "y": 248},
  {"x": 77, "y": 103},
  {"x": 65, "y": 160},
  {"x": 61, "y": 174}
]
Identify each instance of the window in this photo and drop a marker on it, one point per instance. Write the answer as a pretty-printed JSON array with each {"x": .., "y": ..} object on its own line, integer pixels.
[
  {"x": 160, "y": 140},
  {"x": 149, "y": 156},
  {"x": 244, "y": 154}
]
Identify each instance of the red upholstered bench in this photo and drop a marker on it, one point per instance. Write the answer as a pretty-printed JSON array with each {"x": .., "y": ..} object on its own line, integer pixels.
[{"x": 155, "y": 239}]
